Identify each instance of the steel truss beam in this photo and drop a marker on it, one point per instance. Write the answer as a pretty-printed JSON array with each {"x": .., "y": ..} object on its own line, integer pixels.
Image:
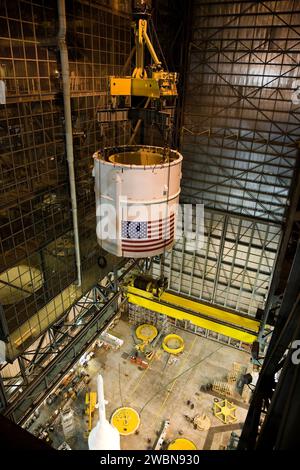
[
  {"x": 42, "y": 369},
  {"x": 34, "y": 392}
]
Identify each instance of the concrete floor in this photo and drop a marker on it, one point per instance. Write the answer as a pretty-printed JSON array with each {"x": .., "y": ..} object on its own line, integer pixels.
[{"x": 155, "y": 393}]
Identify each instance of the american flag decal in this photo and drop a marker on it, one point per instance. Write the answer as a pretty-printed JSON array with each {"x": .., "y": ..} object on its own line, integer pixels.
[{"x": 147, "y": 236}]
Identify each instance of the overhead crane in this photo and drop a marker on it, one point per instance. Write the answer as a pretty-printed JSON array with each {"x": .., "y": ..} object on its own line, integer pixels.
[
  {"x": 151, "y": 81},
  {"x": 155, "y": 83},
  {"x": 149, "y": 294}
]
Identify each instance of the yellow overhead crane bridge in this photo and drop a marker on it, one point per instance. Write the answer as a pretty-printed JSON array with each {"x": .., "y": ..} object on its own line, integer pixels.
[{"x": 215, "y": 319}]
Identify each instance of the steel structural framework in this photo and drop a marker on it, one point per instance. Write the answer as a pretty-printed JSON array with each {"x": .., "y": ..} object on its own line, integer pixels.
[
  {"x": 239, "y": 136},
  {"x": 25, "y": 383},
  {"x": 275, "y": 400},
  {"x": 233, "y": 267},
  {"x": 241, "y": 123},
  {"x": 35, "y": 216}
]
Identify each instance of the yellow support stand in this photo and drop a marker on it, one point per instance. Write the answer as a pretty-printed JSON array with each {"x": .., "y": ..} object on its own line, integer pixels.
[
  {"x": 173, "y": 344},
  {"x": 90, "y": 402},
  {"x": 224, "y": 410},
  {"x": 126, "y": 420}
]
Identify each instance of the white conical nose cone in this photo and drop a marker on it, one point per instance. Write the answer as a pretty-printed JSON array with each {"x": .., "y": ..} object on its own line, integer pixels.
[{"x": 104, "y": 437}]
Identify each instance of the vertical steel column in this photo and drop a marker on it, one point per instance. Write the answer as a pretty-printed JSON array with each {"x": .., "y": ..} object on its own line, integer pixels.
[
  {"x": 236, "y": 244},
  {"x": 23, "y": 370},
  {"x": 206, "y": 254},
  {"x": 295, "y": 197},
  {"x": 286, "y": 325},
  {"x": 192, "y": 272},
  {"x": 281, "y": 427},
  {"x": 220, "y": 257},
  {"x": 246, "y": 264},
  {"x": 3, "y": 325},
  {"x": 3, "y": 399},
  {"x": 182, "y": 263},
  {"x": 68, "y": 128},
  {"x": 264, "y": 244}
]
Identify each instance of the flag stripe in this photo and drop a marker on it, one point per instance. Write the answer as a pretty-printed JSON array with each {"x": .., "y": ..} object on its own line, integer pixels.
[
  {"x": 159, "y": 233},
  {"x": 152, "y": 248},
  {"x": 165, "y": 224},
  {"x": 154, "y": 243},
  {"x": 160, "y": 221}
]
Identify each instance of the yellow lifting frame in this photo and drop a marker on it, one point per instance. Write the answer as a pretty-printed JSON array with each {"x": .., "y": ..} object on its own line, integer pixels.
[
  {"x": 160, "y": 83},
  {"x": 142, "y": 38},
  {"x": 175, "y": 302}
]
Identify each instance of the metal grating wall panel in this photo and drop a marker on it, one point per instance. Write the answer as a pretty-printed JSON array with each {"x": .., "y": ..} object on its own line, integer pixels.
[
  {"x": 239, "y": 137},
  {"x": 233, "y": 268},
  {"x": 241, "y": 120},
  {"x": 35, "y": 216}
]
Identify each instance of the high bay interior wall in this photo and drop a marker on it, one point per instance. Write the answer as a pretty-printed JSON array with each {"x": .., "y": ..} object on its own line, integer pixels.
[
  {"x": 239, "y": 138},
  {"x": 35, "y": 215},
  {"x": 234, "y": 266},
  {"x": 239, "y": 129},
  {"x": 241, "y": 125},
  {"x": 232, "y": 137}
]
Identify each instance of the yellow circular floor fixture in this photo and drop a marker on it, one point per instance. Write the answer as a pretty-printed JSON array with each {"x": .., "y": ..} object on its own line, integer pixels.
[
  {"x": 146, "y": 332},
  {"x": 182, "y": 444},
  {"x": 173, "y": 344},
  {"x": 126, "y": 420}
]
